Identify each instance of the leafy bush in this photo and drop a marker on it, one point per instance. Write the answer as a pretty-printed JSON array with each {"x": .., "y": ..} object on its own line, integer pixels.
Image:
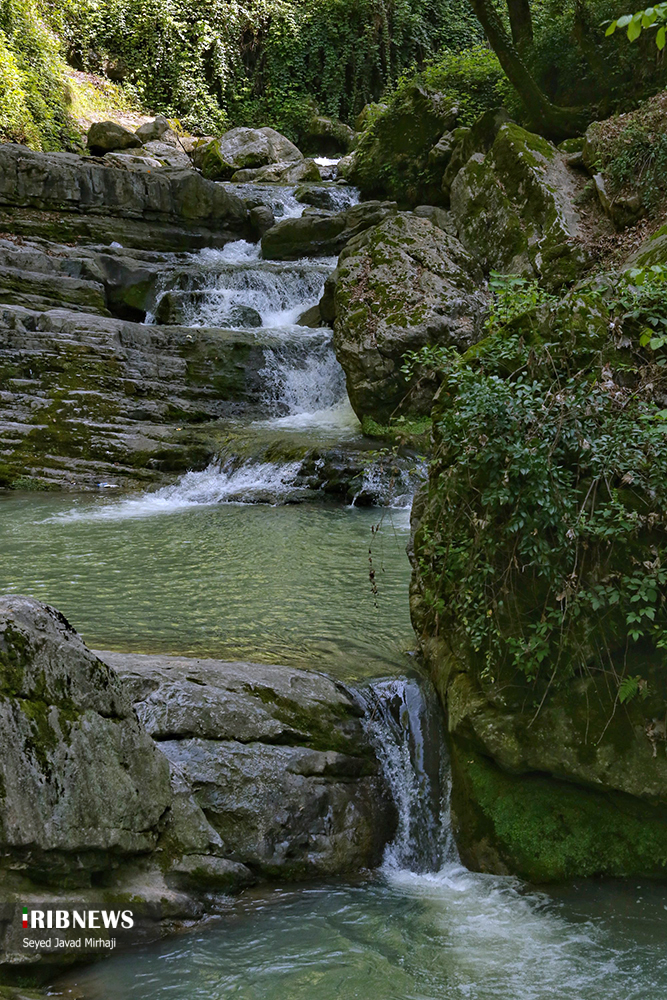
[
  {"x": 543, "y": 548},
  {"x": 473, "y": 79},
  {"x": 33, "y": 93}
]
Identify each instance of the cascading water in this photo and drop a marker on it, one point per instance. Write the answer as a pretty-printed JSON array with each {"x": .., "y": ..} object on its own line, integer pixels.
[{"x": 405, "y": 723}]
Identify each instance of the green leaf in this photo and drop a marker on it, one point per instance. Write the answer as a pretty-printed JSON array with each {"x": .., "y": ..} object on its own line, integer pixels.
[
  {"x": 611, "y": 29},
  {"x": 634, "y": 30},
  {"x": 660, "y": 38},
  {"x": 628, "y": 689},
  {"x": 625, "y": 19}
]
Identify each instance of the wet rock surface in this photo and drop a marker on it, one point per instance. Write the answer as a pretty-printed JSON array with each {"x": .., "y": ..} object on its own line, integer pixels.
[
  {"x": 221, "y": 774},
  {"x": 322, "y": 235}
]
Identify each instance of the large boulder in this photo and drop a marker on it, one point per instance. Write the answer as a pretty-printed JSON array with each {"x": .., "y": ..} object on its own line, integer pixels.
[
  {"x": 221, "y": 773},
  {"x": 322, "y": 235},
  {"x": 327, "y": 136},
  {"x": 514, "y": 208},
  {"x": 398, "y": 287},
  {"x": 83, "y": 784},
  {"x": 392, "y": 157},
  {"x": 277, "y": 758},
  {"x": 67, "y": 197},
  {"x": 105, "y": 137},
  {"x": 244, "y": 148},
  {"x": 283, "y": 172}
]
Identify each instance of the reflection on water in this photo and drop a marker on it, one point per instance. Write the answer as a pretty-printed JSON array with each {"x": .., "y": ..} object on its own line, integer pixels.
[
  {"x": 410, "y": 937},
  {"x": 274, "y": 584}
]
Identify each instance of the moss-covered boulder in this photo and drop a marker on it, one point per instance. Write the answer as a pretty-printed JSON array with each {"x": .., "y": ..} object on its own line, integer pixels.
[
  {"x": 398, "y": 287},
  {"x": 392, "y": 158},
  {"x": 539, "y": 589},
  {"x": 244, "y": 148},
  {"x": 82, "y": 782},
  {"x": 514, "y": 207},
  {"x": 327, "y": 137}
]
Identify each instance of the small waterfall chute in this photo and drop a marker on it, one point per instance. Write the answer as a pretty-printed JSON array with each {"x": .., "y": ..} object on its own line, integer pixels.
[{"x": 404, "y": 720}]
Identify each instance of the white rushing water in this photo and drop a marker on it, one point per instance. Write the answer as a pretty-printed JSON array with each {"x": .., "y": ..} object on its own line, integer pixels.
[{"x": 236, "y": 481}]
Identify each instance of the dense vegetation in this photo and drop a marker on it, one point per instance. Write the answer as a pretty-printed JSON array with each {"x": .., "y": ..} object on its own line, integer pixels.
[
  {"x": 33, "y": 92},
  {"x": 547, "y": 556},
  {"x": 264, "y": 62}
]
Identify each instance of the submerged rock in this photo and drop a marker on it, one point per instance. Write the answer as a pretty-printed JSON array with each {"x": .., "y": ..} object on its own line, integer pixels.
[
  {"x": 398, "y": 287},
  {"x": 180, "y": 307}
]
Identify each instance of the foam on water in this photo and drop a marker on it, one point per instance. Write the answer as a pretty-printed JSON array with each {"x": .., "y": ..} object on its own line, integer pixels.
[{"x": 235, "y": 482}]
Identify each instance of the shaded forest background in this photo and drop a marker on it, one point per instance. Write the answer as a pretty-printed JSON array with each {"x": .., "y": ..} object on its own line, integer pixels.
[{"x": 214, "y": 64}]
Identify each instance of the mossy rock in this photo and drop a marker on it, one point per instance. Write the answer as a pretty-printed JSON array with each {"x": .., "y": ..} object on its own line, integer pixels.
[
  {"x": 546, "y": 830},
  {"x": 514, "y": 207},
  {"x": 391, "y": 159}
]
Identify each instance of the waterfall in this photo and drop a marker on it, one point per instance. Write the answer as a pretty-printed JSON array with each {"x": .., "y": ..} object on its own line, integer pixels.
[{"x": 404, "y": 721}]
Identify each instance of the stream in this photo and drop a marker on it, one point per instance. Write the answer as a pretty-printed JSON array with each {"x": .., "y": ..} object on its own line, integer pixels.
[{"x": 248, "y": 560}]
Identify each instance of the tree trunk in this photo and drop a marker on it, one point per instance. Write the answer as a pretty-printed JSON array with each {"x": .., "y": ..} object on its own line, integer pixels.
[
  {"x": 521, "y": 23},
  {"x": 550, "y": 120}
]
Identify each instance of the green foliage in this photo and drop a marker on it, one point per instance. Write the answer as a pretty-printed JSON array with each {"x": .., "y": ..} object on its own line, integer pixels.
[
  {"x": 544, "y": 553},
  {"x": 472, "y": 79},
  {"x": 33, "y": 94},
  {"x": 651, "y": 17},
  {"x": 217, "y": 63},
  {"x": 577, "y": 66}
]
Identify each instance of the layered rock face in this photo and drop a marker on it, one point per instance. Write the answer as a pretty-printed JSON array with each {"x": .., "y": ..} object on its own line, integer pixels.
[
  {"x": 277, "y": 760},
  {"x": 221, "y": 774},
  {"x": 67, "y": 197},
  {"x": 398, "y": 287},
  {"x": 86, "y": 396}
]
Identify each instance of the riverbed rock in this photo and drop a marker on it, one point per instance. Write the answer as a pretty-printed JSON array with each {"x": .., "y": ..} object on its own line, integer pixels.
[
  {"x": 221, "y": 773},
  {"x": 277, "y": 759},
  {"x": 392, "y": 157},
  {"x": 327, "y": 137},
  {"x": 514, "y": 209},
  {"x": 86, "y": 398},
  {"x": 70, "y": 198},
  {"x": 283, "y": 172},
  {"x": 152, "y": 130},
  {"x": 243, "y": 148},
  {"x": 179, "y": 307},
  {"x": 398, "y": 287},
  {"x": 83, "y": 784},
  {"x": 322, "y": 235},
  {"x": 105, "y": 137}
]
